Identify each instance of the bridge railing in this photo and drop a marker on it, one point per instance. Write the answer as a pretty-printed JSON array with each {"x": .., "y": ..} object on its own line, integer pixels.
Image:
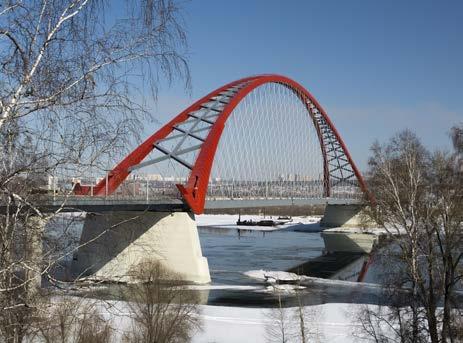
[
  {"x": 145, "y": 190},
  {"x": 130, "y": 190},
  {"x": 280, "y": 190}
]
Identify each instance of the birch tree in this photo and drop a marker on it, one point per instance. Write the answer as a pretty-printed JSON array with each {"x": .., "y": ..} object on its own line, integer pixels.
[
  {"x": 74, "y": 78},
  {"x": 420, "y": 204}
]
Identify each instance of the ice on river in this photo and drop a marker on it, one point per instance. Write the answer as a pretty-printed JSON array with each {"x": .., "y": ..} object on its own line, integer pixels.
[{"x": 228, "y": 221}]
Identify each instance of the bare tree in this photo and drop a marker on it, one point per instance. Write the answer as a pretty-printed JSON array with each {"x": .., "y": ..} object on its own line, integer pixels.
[
  {"x": 402, "y": 320},
  {"x": 307, "y": 319},
  {"x": 457, "y": 139},
  {"x": 278, "y": 329},
  {"x": 293, "y": 324},
  {"x": 420, "y": 203},
  {"x": 73, "y": 320},
  {"x": 388, "y": 324},
  {"x": 72, "y": 95},
  {"x": 300, "y": 317},
  {"x": 162, "y": 310}
]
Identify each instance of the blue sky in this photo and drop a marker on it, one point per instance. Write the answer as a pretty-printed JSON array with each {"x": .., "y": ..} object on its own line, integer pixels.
[{"x": 375, "y": 66}]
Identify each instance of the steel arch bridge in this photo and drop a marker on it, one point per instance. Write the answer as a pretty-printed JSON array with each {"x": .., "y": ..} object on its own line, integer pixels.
[{"x": 196, "y": 134}]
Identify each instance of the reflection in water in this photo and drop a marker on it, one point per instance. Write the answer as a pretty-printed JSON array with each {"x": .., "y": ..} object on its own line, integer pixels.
[
  {"x": 343, "y": 265},
  {"x": 231, "y": 252}
]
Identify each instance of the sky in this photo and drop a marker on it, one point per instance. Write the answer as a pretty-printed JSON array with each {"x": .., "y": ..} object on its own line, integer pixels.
[{"x": 376, "y": 67}]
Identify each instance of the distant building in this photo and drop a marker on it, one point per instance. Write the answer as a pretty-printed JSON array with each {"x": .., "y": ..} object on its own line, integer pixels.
[
  {"x": 147, "y": 177},
  {"x": 173, "y": 179}
]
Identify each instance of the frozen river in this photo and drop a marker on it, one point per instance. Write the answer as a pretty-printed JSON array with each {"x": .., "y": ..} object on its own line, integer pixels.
[
  {"x": 235, "y": 252},
  {"x": 232, "y": 252}
]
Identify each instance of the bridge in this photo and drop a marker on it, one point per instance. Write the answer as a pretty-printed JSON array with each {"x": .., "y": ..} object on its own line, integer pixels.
[
  {"x": 256, "y": 142},
  {"x": 261, "y": 140}
]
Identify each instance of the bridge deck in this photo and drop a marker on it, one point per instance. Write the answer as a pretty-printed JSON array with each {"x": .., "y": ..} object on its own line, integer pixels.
[
  {"x": 107, "y": 204},
  {"x": 245, "y": 203}
]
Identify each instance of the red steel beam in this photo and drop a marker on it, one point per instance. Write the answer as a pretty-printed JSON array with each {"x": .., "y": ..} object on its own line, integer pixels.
[{"x": 195, "y": 189}]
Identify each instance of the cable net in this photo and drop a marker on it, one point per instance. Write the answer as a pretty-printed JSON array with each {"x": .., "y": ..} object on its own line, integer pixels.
[{"x": 269, "y": 149}]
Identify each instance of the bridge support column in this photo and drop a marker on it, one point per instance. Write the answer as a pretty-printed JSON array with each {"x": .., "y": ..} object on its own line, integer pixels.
[
  {"x": 346, "y": 215},
  {"x": 345, "y": 241},
  {"x": 114, "y": 242},
  {"x": 349, "y": 229}
]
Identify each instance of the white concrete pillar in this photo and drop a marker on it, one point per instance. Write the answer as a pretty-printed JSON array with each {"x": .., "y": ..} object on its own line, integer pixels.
[
  {"x": 114, "y": 242},
  {"x": 350, "y": 223},
  {"x": 348, "y": 241},
  {"x": 348, "y": 215}
]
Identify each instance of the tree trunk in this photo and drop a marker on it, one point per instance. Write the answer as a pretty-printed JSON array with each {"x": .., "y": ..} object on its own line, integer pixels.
[{"x": 34, "y": 255}]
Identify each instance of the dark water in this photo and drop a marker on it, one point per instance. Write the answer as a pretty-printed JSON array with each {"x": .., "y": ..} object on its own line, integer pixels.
[{"x": 231, "y": 252}]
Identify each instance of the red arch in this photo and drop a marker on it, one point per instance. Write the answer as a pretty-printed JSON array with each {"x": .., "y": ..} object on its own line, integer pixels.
[{"x": 194, "y": 191}]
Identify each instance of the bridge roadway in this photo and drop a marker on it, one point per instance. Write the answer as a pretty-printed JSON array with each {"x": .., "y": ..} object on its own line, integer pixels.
[{"x": 116, "y": 204}]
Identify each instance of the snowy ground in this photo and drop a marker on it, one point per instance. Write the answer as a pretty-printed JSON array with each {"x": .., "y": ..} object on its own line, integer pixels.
[
  {"x": 223, "y": 324},
  {"x": 332, "y": 322},
  {"x": 228, "y": 221}
]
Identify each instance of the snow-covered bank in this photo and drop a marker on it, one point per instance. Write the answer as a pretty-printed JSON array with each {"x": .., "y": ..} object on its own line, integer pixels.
[
  {"x": 334, "y": 322},
  {"x": 228, "y": 221},
  {"x": 368, "y": 230}
]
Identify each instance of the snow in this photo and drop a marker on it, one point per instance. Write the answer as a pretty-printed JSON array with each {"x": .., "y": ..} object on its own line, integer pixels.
[
  {"x": 335, "y": 322},
  {"x": 223, "y": 287},
  {"x": 231, "y": 324},
  {"x": 274, "y": 276},
  {"x": 234, "y": 324},
  {"x": 285, "y": 288},
  {"x": 374, "y": 230},
  {"x": 228, "y": 221}
]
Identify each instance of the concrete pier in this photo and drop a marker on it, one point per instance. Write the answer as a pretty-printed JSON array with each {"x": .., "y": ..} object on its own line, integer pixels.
[
  {"x": 344, "y": 241},
  {"x": 346, "y": 215},
  {"x": 114, "y": 242},
  {"x": 349, "y": 229}
]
